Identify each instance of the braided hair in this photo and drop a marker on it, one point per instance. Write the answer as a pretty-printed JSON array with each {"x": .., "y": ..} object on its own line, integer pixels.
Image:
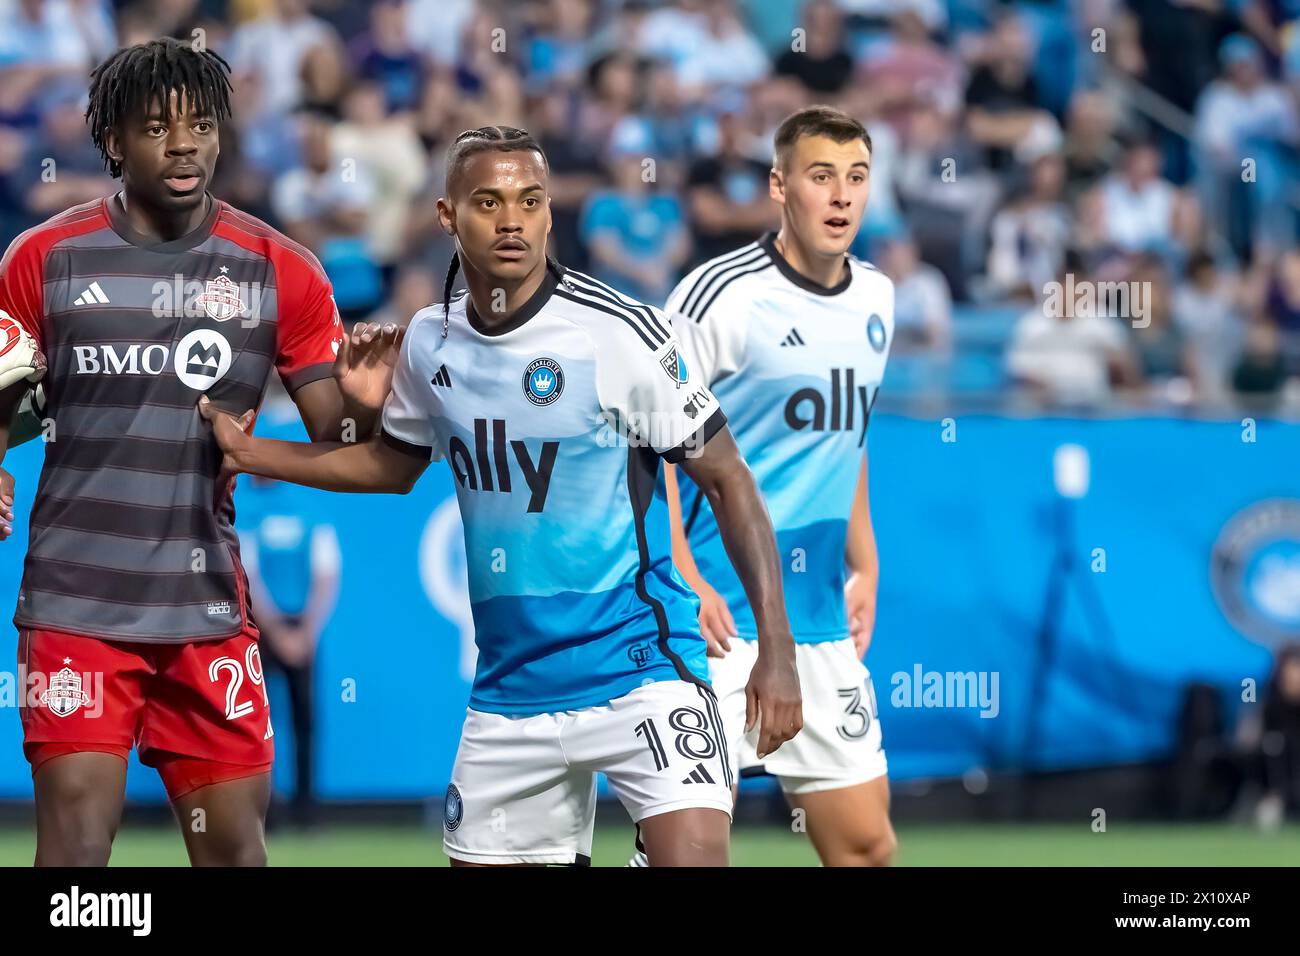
[
  {"x": 133, "y": 79},
  {"x": 501, "y": 139}
]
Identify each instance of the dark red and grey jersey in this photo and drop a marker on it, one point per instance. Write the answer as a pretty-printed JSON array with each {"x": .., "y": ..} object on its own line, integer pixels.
[{"x": 130, "y": 538}]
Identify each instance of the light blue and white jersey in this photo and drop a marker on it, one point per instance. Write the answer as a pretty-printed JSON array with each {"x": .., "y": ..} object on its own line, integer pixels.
[
  {"x": 553, "y": 426},
  {"x": 796, "y": 366}
]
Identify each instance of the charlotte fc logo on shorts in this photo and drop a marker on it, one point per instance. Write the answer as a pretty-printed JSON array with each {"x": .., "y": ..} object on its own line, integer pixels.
[
  {"x": 543, "y": 381},
  {"x": 453, "y": 809},
  {"x": 876, "y": 332},
  {"x": 675, "y": 366},
  {"x": 1255, "y": 571}
]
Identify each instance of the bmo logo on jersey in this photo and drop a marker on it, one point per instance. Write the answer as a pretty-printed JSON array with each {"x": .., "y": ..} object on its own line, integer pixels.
[
  {"x": 200, "y": 360},
  {"x": 848, "y": 407}
]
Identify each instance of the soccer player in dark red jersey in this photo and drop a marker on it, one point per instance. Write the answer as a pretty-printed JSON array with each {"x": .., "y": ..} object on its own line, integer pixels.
[{"x": 133, "y": 616}]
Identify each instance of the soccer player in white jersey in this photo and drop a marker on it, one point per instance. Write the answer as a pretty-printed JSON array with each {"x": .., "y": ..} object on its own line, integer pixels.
[
  {"x": 553, "y": 398},
  {"x": 792, "y": 334}
]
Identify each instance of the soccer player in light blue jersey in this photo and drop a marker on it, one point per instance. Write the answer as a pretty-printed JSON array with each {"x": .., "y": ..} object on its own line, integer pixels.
[
  {"x": 553, "y": 398},
  {"x": 792, "y": 334}
]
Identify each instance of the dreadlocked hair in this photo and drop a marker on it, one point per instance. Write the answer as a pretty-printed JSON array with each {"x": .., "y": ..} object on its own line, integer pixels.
[
  {"x": 136, "y": 78},
  {"x": 485, "y": 139}
]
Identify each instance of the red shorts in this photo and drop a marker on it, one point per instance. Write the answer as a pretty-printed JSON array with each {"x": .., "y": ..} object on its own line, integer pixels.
[{"x": 198, "y": 712}]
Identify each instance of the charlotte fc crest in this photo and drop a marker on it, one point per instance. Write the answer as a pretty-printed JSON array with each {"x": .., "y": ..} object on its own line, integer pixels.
[
  {"x": 675, "y": 366},
  {"x": 543, "y": 381},
  {"x": 221, "y": 301},
  {"x": 65, "y": 696}
]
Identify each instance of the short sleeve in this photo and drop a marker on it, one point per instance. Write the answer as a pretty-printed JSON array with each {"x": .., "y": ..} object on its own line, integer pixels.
[
  {"x": 407, "y": 420},
  {"x": 656, "y": 397},
  {"x": 310, "y": 330},
  {"x": 713, "y": 338},
  {"x": 22, "y": 295}
]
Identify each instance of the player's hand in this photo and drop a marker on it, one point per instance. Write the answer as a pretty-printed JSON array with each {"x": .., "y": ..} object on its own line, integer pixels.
[
  {"x": 773, "y": 700},
  {"x": 717, "y": 626},
  {"x": 365, "y": 363},
  {"x": 860, "y": 605},
  {"x": 232, "y": 436},
  {"x": 6, "y": 504}
]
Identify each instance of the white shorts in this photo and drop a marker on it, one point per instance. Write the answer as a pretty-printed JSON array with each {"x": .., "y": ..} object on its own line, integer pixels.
[
  {"x": 840, "y": 744},
  {"x": 524, "y": 788}
]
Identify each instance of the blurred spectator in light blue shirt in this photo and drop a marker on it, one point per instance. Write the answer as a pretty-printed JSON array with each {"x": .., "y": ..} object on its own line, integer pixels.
[
  {"x": 43, "y": 42},
  {"x": 327, "y": 205},
  {"x": 1244, "y": 116},
  {"x": 558, "y": 52},
  {"x": 636, "y": 238}
]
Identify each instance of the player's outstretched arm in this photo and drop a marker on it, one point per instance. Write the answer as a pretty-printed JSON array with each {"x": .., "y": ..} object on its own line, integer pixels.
[
  {"x": 772, "y": 697},
  {"x": 864, "y": 567},
  {"x": 371, "y": 466},
  {"x": 716, "y": 623}
]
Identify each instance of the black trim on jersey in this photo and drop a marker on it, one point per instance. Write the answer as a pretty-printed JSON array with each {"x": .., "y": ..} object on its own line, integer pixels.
[
  {"x": 704, "y": 310},
  {"x": 624, "y": 315},
  {"x": 522, "y": 314},
  {"x": 722, "y": 275},
  {"x": 697, "y": 440},
  {"x": 768, "y": 242},
  {"x": 585, "y": 283},
  {"x": 642, "y": 475},
  {"x": 711, "y": 268},
  {"x": 405, "y": 447}
]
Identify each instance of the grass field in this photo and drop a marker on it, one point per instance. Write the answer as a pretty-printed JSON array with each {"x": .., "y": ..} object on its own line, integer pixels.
[{"x": 989, "y": 845}]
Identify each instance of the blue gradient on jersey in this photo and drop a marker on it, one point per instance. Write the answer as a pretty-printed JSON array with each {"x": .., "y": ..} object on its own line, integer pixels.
[
  {"x": 565, "y": 614},
  {"x": 807, "y": 478}
]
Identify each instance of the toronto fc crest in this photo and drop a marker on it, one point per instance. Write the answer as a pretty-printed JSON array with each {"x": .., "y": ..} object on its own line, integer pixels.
[
  {"x": 221, "y": 301},
  {"x": 65, "y": 696}
]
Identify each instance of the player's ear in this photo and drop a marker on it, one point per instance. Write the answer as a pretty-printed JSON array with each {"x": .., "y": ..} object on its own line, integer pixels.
[
  {"x": 112, "y": 146},
  {"x": 776, "y": 184},
  {"x": 447, "y": 216}
]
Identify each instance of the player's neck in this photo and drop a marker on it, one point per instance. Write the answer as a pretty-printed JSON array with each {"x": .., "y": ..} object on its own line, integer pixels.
[
  {"x": 826, "y": 271},
  {"x": 497, "y": 301},
  {"x": 161, "y": 225}
]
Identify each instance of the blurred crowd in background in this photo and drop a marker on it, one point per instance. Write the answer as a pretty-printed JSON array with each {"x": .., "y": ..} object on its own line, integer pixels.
[{"x": 1123, "y": 141}]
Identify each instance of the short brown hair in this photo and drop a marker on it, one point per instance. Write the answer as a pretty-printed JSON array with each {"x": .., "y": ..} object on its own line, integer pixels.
[{"x": 817, "y": 121}]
